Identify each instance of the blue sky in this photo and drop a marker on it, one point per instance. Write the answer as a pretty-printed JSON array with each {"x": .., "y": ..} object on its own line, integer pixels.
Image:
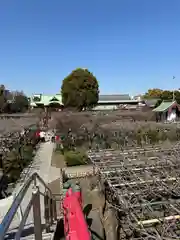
[{"x": 130, "y": 45}]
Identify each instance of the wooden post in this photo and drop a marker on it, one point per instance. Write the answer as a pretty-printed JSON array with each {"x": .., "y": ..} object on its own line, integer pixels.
[{"x": 37, "y": 214}]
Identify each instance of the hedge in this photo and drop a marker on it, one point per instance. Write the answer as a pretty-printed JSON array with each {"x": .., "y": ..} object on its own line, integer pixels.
[{"x": 75, "y": 158}]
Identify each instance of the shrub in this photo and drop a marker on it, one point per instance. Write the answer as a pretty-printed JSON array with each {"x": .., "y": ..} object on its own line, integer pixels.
[
  {"x": 27, "y": 154},
  {"x": 75, "y": 158},
  {"x": 112, "y": 131},
  {"x": 16, "y": 160}
]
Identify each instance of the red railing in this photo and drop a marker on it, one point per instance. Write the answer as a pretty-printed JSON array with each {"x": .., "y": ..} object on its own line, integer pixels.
[{"x": 75, "y": 226}]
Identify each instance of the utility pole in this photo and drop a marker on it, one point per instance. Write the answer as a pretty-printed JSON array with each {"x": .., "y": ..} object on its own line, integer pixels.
[{"x": 173, "y": 91}]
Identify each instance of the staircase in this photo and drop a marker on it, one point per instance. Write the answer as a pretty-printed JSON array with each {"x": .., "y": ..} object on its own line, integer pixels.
[
  {"x": 45, "y": 236},
  {"x": 42, "y": 227},
  {"x": 37, "y": 222}
]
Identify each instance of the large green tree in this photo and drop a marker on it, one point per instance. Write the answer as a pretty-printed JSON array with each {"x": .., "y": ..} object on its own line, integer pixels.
[
  {"x": 162, "y": 95},
  {"x": 153, "y": 93},
  {"x": 3, "y": 99},
  {"x": 80, "y": 90}
]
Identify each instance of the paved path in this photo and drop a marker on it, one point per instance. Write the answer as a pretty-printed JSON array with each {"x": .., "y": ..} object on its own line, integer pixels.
[{"x": 41, "y": 165}]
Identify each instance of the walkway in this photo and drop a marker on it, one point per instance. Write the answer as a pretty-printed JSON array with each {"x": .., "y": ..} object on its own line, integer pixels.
[{"x": 41, "y": 165}]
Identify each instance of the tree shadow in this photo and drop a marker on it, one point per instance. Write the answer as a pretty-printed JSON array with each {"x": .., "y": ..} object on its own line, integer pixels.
[
  {"x": 87, "y": 209},
  {"x": 95, "y": 236},
  {"x": 59, "y": 233}
]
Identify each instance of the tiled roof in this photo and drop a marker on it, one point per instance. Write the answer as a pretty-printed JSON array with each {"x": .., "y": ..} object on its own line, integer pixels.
[
  {"x": 58, "y": 97},
  {"x": 114, "y": 97},
  {"x": 163, "y": 106},
  {"x": 47, "y": 99}
]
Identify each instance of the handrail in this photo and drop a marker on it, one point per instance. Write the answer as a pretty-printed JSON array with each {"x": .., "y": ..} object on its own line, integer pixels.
[
  {"x": 23, "y": 221},
  {"x": 35, "y": 200}
]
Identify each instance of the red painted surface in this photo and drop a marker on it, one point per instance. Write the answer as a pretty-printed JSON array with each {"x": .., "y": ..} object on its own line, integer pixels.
[
  {"x": 75, "y": 226},
  {"x": 79, "y": 197},
  {"x": 37, "y": 133},
  {"x": 57, "y": 138}
]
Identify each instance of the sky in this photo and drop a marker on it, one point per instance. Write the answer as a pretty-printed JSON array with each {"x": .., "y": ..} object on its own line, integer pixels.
[{"x": 129, "y": 45}]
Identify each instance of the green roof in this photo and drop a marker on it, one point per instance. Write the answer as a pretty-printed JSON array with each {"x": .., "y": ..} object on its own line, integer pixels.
[
  {"x": 163, "y": 106},
  {"x": 114, "y": 97},
  {"x": 47, "y": 99},
  {"x": 57, "y": 98}
]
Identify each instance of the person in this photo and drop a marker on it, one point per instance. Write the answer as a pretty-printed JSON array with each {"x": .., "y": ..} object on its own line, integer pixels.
[
  {"x": 57, "y": 138},
  {"x": 37, "y": 134},
  {"x": 42, "y": 135}
]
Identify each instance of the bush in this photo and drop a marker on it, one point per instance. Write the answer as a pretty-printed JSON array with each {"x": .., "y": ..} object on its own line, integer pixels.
[
  {"x": 75, "y": 158},
  {"x": 16, "y": 160},
  {"x": 111, "y": 131},
  {"x": 19, "y": 153}
]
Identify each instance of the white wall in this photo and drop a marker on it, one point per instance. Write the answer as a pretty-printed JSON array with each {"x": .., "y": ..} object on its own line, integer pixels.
[{"x": 105, "y": 107}]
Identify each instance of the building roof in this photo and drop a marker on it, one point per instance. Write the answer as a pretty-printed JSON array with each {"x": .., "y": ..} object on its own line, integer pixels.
[
  {"x": 116, "y": 97},
  {"x": 103, "y": 99},
  {"x": 164, "y": 106},
  {"x": 118, "y": 102},
  {"x": 47, "y": 99}
]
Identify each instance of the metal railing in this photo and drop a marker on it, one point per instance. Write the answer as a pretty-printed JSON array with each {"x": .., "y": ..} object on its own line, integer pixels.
[{"x": 50, "y": 214}]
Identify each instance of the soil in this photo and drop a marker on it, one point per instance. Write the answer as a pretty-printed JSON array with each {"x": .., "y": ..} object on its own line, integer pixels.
[{"x": 58, "y": 160}]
